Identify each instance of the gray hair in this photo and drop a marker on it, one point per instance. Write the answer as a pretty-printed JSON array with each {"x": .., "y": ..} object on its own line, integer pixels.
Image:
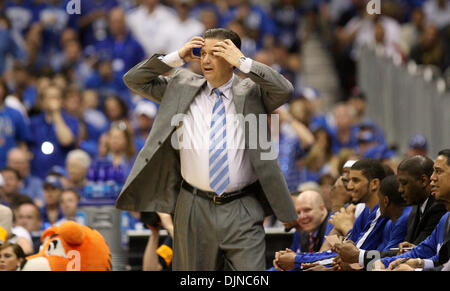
[{"x": 80, "y": 155}]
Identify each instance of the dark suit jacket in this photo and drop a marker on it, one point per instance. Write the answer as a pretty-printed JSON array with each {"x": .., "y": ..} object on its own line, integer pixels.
[
  {"x": 155, "y": 179},
  {"x": 419, "y": 231},
  {"x": 304, "y": 238}
]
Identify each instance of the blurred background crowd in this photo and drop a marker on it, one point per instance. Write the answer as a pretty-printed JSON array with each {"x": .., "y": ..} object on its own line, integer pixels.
[{"x": 68, "y": 122}]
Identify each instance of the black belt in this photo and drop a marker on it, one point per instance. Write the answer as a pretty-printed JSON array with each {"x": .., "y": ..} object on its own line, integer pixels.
[{"x": 225, "y": 197}]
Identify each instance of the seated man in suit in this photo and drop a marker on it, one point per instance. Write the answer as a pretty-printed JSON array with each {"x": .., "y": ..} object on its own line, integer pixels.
[
  {"x": 312, "y": 222},
  {"x": 434, "y": 251}
]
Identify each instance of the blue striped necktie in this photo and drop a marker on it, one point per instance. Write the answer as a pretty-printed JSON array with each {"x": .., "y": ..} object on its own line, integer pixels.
[{"x": 218, "y": 157}]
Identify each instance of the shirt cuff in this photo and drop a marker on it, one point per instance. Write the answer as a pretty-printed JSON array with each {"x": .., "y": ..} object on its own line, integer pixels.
[
  {"x": 246, "y": 66},
  {"x": 428, "y": 264},
  {"x": 173, "y": 60},
  {"x": 361, "y": 257}
]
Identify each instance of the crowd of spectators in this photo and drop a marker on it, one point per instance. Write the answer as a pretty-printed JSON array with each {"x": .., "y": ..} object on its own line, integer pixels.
[{"x": 64, "y": 107}]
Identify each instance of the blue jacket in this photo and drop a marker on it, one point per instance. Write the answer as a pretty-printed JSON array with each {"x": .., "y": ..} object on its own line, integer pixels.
[
  {"x": 429, "y": 248},
  {"x": 395, "y": 232}
]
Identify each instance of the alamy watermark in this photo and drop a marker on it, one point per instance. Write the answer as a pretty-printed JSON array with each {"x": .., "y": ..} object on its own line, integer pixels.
[
  {"x": 373, "y": 7},
  {"x": 249, "y": 132},
  {"x": 73, "y": 7}
]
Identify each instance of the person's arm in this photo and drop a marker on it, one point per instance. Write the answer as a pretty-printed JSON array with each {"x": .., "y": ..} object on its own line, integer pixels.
[
  {"x": 63, "y": 132},
  {"x": 150, "y": 261},
  {"x": 275, "y": 89},
  {"x": 146, "y": 78}
]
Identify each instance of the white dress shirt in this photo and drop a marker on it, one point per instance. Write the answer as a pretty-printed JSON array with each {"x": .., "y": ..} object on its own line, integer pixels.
[{"x": 193, "y": 136}]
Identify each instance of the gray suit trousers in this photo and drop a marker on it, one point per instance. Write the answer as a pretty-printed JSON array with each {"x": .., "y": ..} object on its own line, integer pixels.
[{"x": 212, "y": 237}]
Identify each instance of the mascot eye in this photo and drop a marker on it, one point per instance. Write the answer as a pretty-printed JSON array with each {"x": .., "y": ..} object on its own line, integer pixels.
[{"x": 55, "y": 248}]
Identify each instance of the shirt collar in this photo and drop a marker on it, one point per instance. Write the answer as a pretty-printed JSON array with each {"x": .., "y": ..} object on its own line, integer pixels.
[
  {"x": 224, "y": 88},
  {"x": 422, "y": 207}
]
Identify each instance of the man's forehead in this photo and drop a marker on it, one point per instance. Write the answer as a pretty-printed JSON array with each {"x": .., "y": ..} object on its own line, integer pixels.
[
  {"x": 442, "y": 164},
  {"x": 356, "y": 173}
]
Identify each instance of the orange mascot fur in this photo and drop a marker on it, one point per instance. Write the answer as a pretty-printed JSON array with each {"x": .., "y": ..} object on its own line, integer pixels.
[{"x": 70, "y": 247}]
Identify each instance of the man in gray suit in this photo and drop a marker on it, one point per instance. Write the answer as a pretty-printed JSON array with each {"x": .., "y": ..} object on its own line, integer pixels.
[{"x": 219, "y": 193}]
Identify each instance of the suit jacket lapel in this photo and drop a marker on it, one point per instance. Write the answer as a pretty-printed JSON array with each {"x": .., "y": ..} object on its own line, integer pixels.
[
  {"x": 188, "y": 94},
  {"x": 412, "y": 221},
  {"x": 239, "y": 92}
]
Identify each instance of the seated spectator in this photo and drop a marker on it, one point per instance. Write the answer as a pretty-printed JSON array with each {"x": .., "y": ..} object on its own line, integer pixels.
[
  {"x": 69, "y": 207},
  {"x": 28, "y": 216},
  {"x": 121, "y": 147},
  {"x": 12, "y": 182},
  {"x": 124, "y": 50},
  {"x": 8, "y": 46},
  {"x": 411, "y": 31},
  {"x": 21, "y": 236},
  {"x": 342, "y": 129},
  {"x": 116, "y": 109},
  {"x": 51, "y": 212},
  {"x": 107, "y": 82},
  {"x": 14, "y": 129},
  {"x": 184, "y": 27},
  {"x": 77, "y": 165},
  {"x": 312, "y": 223},
  {"x": 148, "y": 19},
  {"x": 437, "y": 11},
  {"x": 31, "y": 186},
  {"x": 54, "y": 133},
  {"x": 417, "y": 146},
  {"x": 6, "y": 220},
  {"x": 93, "y": 20},
  {"x": 145, "y": 113},
  {"x": 261, "y": 27},
  {"x": 430, "y": 50},
  {"x": 11, "y": 257}
]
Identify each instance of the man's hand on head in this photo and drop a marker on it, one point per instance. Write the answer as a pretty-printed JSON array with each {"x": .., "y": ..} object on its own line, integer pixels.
[
  {"x": 186, "y": 51},
  {"x": 227, "y": 50}
]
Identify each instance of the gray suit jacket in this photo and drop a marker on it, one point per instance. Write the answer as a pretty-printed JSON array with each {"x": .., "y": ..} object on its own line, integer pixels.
[{"x": 155, "y": 179}]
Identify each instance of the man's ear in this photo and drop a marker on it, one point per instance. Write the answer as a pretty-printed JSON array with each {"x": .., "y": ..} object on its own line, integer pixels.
[
  {"x": 424, "y": 181},
  {"x": 374, "y": 184},
  {"x": 386, "y": 200}
]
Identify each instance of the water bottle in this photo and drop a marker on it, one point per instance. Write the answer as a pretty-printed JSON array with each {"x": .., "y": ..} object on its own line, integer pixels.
[
  {"x": 118, "y": 178},
  {"x": 91, "y": 178},
  {"x": 110, "y": 184},
  {"x": 101, "y": 180}
]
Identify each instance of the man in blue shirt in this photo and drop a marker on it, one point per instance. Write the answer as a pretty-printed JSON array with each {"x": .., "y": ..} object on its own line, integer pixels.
[
  {"x": 8, "y": 46},
  {"x": 120, "y": 45},
  {"x": 32, "y": 186},
  {"x": 54, "y": 133},
  {"x": 13, "y": 127}
]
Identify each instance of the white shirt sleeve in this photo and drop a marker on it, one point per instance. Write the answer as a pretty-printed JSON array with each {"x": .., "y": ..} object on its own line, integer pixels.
[
  {"x": 246, "y": 66},
  {"x": 428, "y": 264},
  {"x": 361, "y": 257},
  {"x": 173, "y": 59}
]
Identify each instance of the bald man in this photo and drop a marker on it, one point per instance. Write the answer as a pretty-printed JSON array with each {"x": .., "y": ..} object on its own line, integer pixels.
[
  {"x": 312, "y": 223},
  {"x": 19, "y": 159}
]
